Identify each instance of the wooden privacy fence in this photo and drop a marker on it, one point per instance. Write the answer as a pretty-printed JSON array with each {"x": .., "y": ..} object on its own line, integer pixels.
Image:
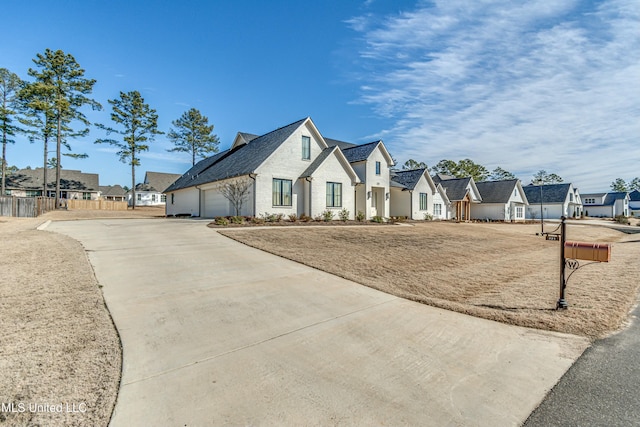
[
  {"x": 26, "y": 207},
  {"x": 97, "y": 205}
]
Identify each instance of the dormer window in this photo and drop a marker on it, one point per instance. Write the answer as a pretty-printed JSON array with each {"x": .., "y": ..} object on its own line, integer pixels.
[
  {"x": 306, "y": 148},
  {"x": 377, "y": 168}
]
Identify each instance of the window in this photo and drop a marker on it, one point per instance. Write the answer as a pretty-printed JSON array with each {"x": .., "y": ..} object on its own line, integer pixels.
[
  {"x": 86, "y": 196},
  {"x": 163, "y": 198},
  {"x": 437, "y": 209},
  {"x": 139, "y": 197},
  {"x": 423, "y": 201},
  {"x": 571, "y": 197},
  {"x": 306, "y": 148},
  {"x": 519, "y": 212},
  {"x": 281, "y": 192},
  {"x": 334, "y": 195},
  {"x": 173, "y": 198},
  {"x": 590, "y": 201},
  {"x": 153, "y": 197},
  {"x": 29, "y": 193},
  {"x": 377, "y": 168}
]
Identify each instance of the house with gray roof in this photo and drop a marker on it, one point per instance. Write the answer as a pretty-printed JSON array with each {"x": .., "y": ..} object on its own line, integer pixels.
[
  {"x": 634, "y": 203},
  {"x": 113, "y": 193},
  {"x": 501, "y": 201},
  {"x": 414, "y": 195},
  {"x": 606, "y": 205},
  {"x": 461, "y": 193},
  {"x": 74, "y": 184},
  {"x": 555, "y": 201},
  {"x": 151, "y": 191},
  {"x": 290, "y": 170}
]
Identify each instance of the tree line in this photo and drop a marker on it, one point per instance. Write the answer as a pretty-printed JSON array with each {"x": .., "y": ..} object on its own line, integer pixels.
[
  {"x": 468, "y": 168},
  {"x": 49, "y": 108}
]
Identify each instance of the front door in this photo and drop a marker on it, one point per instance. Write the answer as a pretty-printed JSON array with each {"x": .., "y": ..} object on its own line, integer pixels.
[{"x": 374, "y": 203}]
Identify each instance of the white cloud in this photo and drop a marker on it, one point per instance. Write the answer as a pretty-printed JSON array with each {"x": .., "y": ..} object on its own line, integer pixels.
[{"x": 523, "y": 85}]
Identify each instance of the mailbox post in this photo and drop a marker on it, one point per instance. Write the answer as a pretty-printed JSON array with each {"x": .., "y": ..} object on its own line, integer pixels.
[
  {"x": 562, "y": 303},
  {"x": 571, "y": 252}
]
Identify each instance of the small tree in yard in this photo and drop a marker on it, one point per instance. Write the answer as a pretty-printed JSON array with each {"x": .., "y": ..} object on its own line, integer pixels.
[
  {"x": 140, "y": 123},
  {"x": 236, "y": 191}
]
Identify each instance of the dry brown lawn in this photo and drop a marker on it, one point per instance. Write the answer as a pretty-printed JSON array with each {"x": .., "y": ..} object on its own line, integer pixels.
[
  {"x": 59, "y": 345},
  {"x": 501, "y": 272}
]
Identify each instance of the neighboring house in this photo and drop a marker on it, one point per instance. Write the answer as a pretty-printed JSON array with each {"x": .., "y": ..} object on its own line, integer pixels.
[
  {"x": 556, "y": 200},
  {"x": 501, "y": 201},
  {"x": 461, "y": 193},
  {"x": 607, "y": 205},
  {"x": 150, "y": 192},
  {"x": 634, "y": 203},
  {"x": 413, "y": 193},
  {"x": 113, "y": 192},
  {"x": 73, "y": 184},
  {"x": 291, "y": 170}
]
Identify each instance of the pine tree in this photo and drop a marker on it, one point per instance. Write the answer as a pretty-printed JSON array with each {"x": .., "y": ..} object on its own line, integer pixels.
[
  {"x": 139, "y": 125},
  {"x": 9, "y": 105},
  {"x": 192, "y": 134},
  {"x": 58, "y": 92}
]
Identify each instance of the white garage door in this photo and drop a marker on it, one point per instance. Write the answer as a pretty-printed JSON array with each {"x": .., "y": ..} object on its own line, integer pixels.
[{"x": 215, "y": 204}]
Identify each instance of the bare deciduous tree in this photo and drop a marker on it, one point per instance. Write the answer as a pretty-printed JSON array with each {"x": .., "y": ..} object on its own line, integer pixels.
[{"x": 236, "y": 191}]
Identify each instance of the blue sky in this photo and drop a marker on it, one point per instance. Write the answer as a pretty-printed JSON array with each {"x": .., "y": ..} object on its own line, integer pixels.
[{"x": 524, "y": 85}]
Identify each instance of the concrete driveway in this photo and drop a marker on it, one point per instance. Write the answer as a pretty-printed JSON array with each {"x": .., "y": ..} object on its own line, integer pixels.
[{"x": 215, "y": 333}]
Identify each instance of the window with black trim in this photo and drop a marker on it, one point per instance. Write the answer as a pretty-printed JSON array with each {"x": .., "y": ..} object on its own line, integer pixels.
[
  {"x": 282, "y": 192},
  {"x": 423, "y": 201},
  {"x": 334, "y": 194},
  {"x": 306, "y": 148},
  {"x": 377, "y": 168}
]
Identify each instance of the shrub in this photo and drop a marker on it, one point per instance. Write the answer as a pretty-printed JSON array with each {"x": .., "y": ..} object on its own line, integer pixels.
[
  {"x": 272, "y": 217},
  {"x": 318, "y": 218},
  {"x": 360, "y": 216},
  {"x": 343, "y": 215},
  {"x": 237, "y": 220},
  {"x": 327, "y": 215},
  {"x": 428, "y": 216},
  {"x": 221, "y": 221},
  {"x": 256, "y": 220},
  {"x": 377, "y": 219},
  {"x": 293, "y": 217},
  {"x": 586, "y": 213},
  {"x": 304, "y": 218},
  {"x": 621, "y": 219}
]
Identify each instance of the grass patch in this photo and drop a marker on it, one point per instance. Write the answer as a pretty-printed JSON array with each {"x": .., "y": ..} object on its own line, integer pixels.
[{"x": 500, "y": 272}]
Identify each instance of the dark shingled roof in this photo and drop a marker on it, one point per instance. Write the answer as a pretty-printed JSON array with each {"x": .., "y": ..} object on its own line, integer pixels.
[
  {"x": 407, "y": 179},
  {"x": 634, "y": 196},
  {"x": 317, "y": 162},
  {"x": 157, "y": 181},
  {"x": 240, "y": 161},
  {"x": 439, "y": 177},
  {"x": 496, "y": 191},
  {"x": 112, "y": 190},
  {"x": 32, "y": 179},
  {"x": 341, "y": 144},
  {"x": 456, "y": 188},
  {"x": 359, "y": 153},
  {"x": 551, "y": 193}
]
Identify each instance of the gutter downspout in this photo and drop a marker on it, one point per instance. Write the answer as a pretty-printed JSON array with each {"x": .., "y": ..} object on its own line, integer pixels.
[
  {"x": 253, "y": 177},
  {"x": 199, "y": 202},
  {"x": 309, "y": 179}
]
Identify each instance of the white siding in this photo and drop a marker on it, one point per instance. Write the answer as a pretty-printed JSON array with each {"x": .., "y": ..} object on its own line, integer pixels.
[
  {"x": 437, "y": 199},
  {"x": 286, "y": 163},
  {"x": 331, "y": 170},
  {"x": 400, "y": 202},
  {"x": 421, "y": 187},
  {"x": 380, "y": 182},
  {"x": 184, "y": 202}
]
